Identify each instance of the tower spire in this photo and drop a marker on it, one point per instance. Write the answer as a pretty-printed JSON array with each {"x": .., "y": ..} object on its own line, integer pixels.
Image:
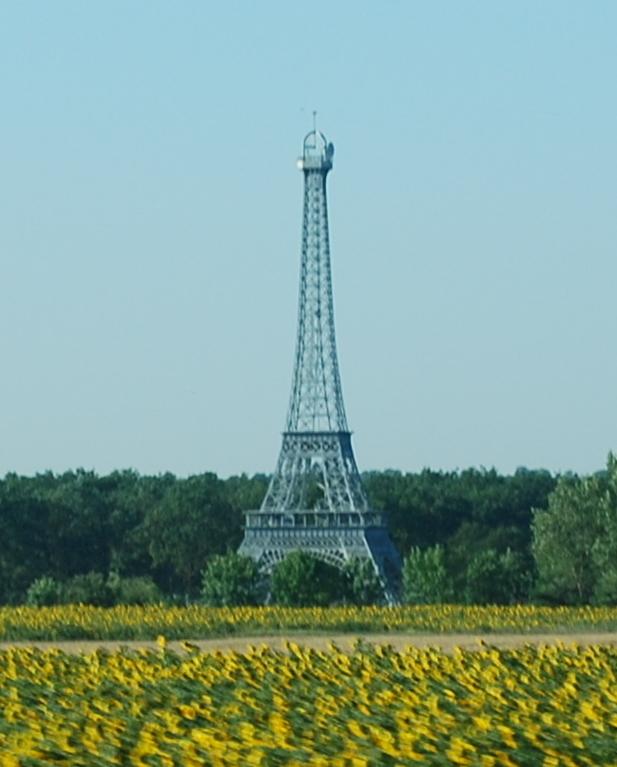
[{"x": 315, "y": 500}]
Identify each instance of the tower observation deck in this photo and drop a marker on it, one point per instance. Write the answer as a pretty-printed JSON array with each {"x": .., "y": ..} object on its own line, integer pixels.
[{"x": 315, "y": 501}]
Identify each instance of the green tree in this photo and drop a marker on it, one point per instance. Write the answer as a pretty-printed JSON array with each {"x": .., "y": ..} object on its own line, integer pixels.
[
  {"x": 302, "y": 580},
  {"x": 363, "y": 585},
  {"x": 25, "y": 534},
  {"x": 88, "y": 589},
  {"x": 496, "y": 578},
  {"x": 231, "y": 579},
  {"x": 565, "y": 536},
  {"x": 465, "y": 511},
  {"x": 44, "y": 591},
  {"x": 134, "y": 590},
  {"x": 604, "y": 549},
  {"x": 78, "y": 523},
  {"x": 131, "y": 497},
  {"x": 166, "y": 528},
  {"x": 245, "y": 493},
  {"x": 425, "y": 577},
  {"x": 192, "y": 522}
]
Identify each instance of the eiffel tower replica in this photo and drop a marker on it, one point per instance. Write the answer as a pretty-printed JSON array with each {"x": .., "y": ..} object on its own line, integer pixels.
[{"x": 315, "y": 501}]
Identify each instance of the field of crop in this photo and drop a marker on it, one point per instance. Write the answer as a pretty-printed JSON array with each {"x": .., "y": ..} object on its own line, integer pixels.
[
  {"x": 545, "y": 706},
  {"x": 198, "y": 622}
]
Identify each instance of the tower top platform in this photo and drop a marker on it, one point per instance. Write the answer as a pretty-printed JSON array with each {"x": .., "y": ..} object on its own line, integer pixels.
[{"x": 317, "y": 152}]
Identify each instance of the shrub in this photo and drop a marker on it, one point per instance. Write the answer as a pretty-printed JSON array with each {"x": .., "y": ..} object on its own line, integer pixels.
[
  {"x": 425, "y": 578},
  {"x": 302, "y": 580},
  {"x": 363, "y": 584},
  {"x": 44, "y": 591},
  {"x": 496, "y": 578},
  {"x": 88, "y": 589},
  {"x": 231, "y": 579},
  {"x": 139, "y": 590}
]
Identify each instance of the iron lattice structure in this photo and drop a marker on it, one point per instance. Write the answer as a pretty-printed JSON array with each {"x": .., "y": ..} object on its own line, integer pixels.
[{"x": 315, "y": 500}]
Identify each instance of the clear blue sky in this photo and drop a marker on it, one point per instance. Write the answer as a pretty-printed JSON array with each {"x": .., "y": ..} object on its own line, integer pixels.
[{"x": 150, "y": 230}]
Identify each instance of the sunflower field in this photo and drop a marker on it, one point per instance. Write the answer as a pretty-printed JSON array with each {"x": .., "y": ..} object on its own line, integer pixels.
[
  {"x": 199, "y": 622},
  {"x": 546, "y": 706}
]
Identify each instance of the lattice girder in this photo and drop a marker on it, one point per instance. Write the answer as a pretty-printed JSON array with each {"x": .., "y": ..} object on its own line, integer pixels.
[
  {"x": 319, "y": 466},
  {"x": 315, "y": 500}
]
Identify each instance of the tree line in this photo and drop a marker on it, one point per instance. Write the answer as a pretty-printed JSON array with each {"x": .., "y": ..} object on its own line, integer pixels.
[{"x": 467, "y": 536}]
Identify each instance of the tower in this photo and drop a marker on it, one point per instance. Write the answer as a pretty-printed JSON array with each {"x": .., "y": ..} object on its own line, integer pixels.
[{"x": 315, "y": 501}]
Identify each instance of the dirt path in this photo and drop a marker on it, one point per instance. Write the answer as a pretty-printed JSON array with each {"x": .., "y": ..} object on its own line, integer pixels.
[{"x": 446, "y": 642}]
